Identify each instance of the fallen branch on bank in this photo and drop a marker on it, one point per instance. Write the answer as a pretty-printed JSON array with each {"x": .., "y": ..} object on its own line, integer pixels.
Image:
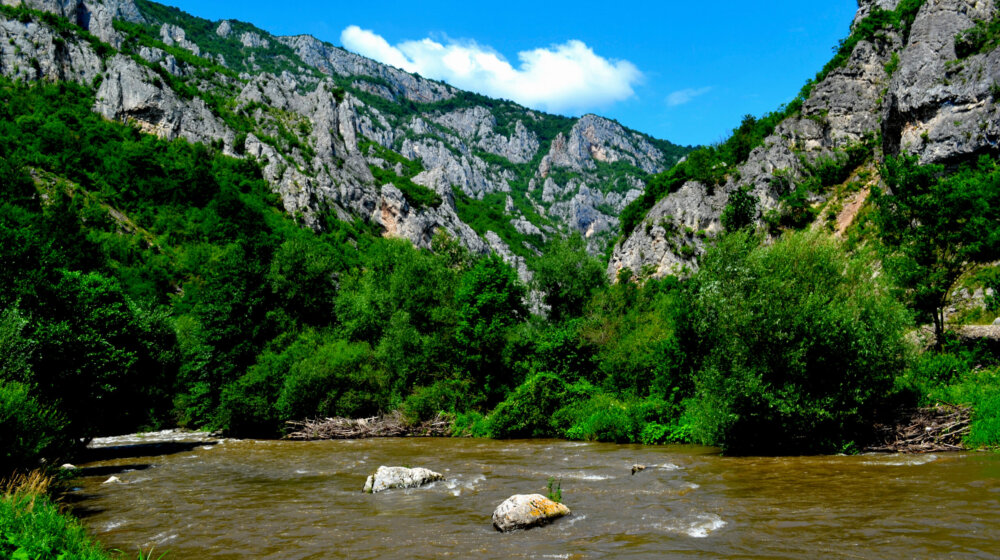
[
  {"x": 389, "y": 425},
  {"x": 926, "y": 430}
]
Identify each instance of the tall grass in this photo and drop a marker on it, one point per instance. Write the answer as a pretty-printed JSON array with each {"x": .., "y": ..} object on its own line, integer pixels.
[{"x": 32, "y": 527}]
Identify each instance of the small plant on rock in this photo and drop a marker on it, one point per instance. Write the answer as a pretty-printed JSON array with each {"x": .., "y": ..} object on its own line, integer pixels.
[{"x": 555, "y": 489}]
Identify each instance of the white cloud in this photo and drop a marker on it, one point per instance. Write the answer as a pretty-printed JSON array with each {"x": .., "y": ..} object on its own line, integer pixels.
[
  {"x": 561, "y": 78},
  {"x": 685, "y": 95}
]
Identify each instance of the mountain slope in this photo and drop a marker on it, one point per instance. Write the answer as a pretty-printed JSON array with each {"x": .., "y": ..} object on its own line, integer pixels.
[
  {"x": 896, "y": 86},
  {"x": 341, "y": 133}
]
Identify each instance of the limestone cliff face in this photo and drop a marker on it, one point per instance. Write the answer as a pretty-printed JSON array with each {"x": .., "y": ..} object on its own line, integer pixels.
[
  {"x": 310, "y": 113},
  {"x": 911, "y": 92}
]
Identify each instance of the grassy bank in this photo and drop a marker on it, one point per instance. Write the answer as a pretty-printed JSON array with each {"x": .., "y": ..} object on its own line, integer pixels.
[{"x": 33, "y": 526}]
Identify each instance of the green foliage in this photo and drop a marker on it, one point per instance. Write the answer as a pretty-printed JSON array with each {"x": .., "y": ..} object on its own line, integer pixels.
[
  {"x": 631, "y": 331},
  {"x": 797, "y": 209},
  {"x": 567, "y": 276},
  {"x": 603, "y": 417},
  {"x": 656, "y": 434},
  {"x": 32, "y": 527},
  {"x": 28, "y": 429},
  {"x": 992, "y": 282},
  {"x": 528, "y": 411},
  {"x": 959, "y": 374},
  {"x": 489, "y": 301},
  {"x": 982, "y": 37},
  {"x": 302, "y": 278},
  {"x": 796, "y": 345},
  {"x": 555, "y": 489},
  {"x": 443, "y": 396},
  {"x": 936, "y": 226},
  {"x": 489, "y": 214},
  {"x": 892, "y": 65},
  {"x": 339, "y": 378},
  {"x": 470, "y": 424},
  {"x": 740, "y": 211}
]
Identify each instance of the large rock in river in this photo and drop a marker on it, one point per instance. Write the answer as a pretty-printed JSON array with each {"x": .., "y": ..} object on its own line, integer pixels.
[
  {"x": 522, "y": 511},
  {"x": 386, "y": 478}
]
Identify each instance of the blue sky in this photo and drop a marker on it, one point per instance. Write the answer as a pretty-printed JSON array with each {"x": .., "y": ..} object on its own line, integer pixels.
[{"x": 683, "y": 71}]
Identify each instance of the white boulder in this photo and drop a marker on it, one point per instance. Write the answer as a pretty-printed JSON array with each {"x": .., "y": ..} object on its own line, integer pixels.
[{"x": 386, "y": 478}]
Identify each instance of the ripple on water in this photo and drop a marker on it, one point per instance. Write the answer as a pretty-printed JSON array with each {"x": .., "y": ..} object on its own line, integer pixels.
[
  {"x": 112, "y": 525},
  {"x": 699, "y": 526},
  {"x": 589, "y": 477},
  {"x": 457, "y": 485},
  {"x": 902, "y": 460}
]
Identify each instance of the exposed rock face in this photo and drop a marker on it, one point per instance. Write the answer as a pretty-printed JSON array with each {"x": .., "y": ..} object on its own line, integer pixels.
[
  {"x": 173, "y": 35},
  {"x": 932, "y": 106},
  {"x": 129, "y": 93},
  {"x": 388, "y": 478},
  {"x": 596, "y": 139},
  {"x": 252, "y": 40},
  {"x": 95, "y": 16},
  {"x": 523, "y": 511},
  {"x": 335, "y": 60},
  {"x": 936, "y": 108}
]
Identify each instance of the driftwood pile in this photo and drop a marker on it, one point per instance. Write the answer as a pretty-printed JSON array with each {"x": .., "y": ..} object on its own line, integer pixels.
[
  {"x": 926, "y": 430},
  {"x": 390, "y": 425}
]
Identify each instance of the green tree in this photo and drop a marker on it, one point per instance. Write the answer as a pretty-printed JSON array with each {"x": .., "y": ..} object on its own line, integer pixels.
[
  {"x": 740, "y": 211},
  {"x": 567, "y": 276},
  {"x": 794, "y": 346},
  {"x": 302, "y": 277},
  {"x": 489, "y": 300},
  {"x": 936, "y": 226}
]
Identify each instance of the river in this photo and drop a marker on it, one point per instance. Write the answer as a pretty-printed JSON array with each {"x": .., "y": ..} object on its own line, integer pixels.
[{"x": 298, "y": 500}]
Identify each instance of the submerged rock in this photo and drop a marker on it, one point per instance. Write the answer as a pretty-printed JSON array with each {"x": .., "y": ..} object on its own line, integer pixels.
[
  {"x": 113, "y": 480},
  {"x": 638, "y": 468},
  {"x": 386, "y": 478},
  {"x": 522, "y": 511}
]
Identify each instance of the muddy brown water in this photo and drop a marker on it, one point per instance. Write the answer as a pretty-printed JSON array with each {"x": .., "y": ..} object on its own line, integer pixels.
[{"x": 302, "y": 500}]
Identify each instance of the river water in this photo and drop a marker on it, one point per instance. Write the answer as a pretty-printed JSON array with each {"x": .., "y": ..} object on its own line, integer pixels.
[{"x": 299, "y": 500}]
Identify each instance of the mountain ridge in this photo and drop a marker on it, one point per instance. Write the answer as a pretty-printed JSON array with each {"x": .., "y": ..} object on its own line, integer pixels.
[{"x": 337, "y": 132}]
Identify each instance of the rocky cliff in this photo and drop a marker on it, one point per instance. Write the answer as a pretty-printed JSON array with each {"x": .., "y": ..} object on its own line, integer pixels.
[
  {"x": 340, "y": 134},
  {"x": 899, "y": 88}
]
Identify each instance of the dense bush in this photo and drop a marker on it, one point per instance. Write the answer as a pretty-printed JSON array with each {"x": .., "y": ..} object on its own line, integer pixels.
[
  {"x": 796, "y": 345},
  {"x": 529, "y": 410},
  {"x": 28, "y": 429},
  {"x": 740, "y": 211},
  {"x": 567, "y": 276}
]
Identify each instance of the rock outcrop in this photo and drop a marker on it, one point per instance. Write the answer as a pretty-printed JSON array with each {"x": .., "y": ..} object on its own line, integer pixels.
[
  {"x": 388, "y": 478},
  {"x": 524, "y": 511},
  {"x": 906, "y": 88}
]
